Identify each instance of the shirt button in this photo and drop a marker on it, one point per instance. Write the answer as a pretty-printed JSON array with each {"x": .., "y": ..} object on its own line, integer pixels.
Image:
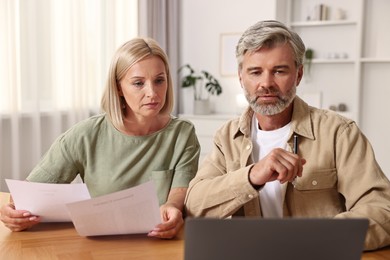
[
  {"x": 250, "y": 196},
  {"x": 248, "y": 147},
  {"x": 314, "y": 183}
]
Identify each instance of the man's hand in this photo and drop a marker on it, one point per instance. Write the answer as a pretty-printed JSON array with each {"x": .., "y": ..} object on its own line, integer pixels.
[{"x": 279, "y": 165}]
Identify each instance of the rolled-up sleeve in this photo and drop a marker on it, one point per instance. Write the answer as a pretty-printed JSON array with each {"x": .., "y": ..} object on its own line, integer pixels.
[{"x": 221, "y": 186}]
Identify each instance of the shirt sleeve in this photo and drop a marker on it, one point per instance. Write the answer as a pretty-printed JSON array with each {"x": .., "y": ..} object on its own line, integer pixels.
[
  {"x": 187, "y": 165},
  {"x": 221, "y": 186},
  {"x": 363, "y": 185},
  {"x": 57, "y": 165}
]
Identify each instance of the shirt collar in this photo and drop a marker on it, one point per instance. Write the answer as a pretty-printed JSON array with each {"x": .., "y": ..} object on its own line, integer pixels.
[{"x": 300, "y": 122}]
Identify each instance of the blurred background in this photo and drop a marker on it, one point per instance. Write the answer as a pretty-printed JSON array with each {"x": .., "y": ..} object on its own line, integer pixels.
[{"x": 55, "y": 55}]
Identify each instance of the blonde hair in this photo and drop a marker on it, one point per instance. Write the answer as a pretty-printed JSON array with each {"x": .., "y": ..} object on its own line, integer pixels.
[{"x": 126, "y": 56}]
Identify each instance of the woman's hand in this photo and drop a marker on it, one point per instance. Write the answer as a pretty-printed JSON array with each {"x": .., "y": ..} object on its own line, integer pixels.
[
  {"x": 172, "y": 222},
  {"x": 171, "y": 215},
  {"x": 17, "y": 220}
]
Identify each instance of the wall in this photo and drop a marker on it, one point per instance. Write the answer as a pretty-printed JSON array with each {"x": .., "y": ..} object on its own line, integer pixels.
[
  {"x": 202, "y": 23},
  {"x": 375, "y": 92}
]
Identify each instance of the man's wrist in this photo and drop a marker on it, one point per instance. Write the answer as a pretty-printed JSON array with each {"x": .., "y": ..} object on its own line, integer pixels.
[{"x": 255, "y": 186}]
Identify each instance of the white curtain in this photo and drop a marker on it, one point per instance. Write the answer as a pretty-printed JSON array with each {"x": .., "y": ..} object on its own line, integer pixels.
[{"x": 54, "y": 60}]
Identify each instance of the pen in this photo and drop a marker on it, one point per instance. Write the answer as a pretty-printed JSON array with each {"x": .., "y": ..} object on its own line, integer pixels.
[
  {"x": 295, "y": 150},
  {"x": 295, "y": 145}
]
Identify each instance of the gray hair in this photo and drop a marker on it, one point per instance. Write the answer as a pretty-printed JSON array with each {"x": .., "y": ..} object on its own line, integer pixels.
[{"x": 268, "y": 33}]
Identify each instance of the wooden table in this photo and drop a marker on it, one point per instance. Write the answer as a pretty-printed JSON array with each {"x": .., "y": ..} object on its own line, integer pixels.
[{"x": 61, "y": 241}]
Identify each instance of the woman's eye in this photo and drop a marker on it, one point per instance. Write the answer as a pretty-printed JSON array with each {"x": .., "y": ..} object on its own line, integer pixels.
[
  {"x": 160, "y": 81},
  {"x": 138, "y": 84}
]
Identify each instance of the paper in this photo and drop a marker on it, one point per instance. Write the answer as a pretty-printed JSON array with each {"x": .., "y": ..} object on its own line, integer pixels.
[
  {"x": 131, "y": 211},
  {"x": 46, "y": 200}
]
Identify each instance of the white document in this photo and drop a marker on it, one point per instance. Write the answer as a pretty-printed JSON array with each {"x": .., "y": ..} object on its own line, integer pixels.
[
  {"x": 131, "y": 211},
  {"x": 46, "y": 200}
]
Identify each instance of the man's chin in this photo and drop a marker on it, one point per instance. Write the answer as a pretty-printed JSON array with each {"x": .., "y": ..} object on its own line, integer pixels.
[{"x": 268, "y": 109}]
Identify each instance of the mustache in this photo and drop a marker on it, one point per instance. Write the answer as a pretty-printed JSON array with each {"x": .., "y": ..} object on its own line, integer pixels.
[{"x": 262, "y": 92}]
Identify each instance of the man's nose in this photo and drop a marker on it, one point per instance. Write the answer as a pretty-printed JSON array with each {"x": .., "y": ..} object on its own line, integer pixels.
[{"x": 266, "y": 80}]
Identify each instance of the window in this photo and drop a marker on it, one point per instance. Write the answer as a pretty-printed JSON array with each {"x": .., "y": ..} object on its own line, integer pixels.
[{"x": 56, "y": 53}]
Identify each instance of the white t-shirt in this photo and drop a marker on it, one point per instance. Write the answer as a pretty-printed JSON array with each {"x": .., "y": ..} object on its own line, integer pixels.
[{"x": 263, "y": 142}]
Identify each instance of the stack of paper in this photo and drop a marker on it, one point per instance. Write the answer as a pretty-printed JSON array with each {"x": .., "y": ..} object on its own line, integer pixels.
[{"x": 130, "y": 211}]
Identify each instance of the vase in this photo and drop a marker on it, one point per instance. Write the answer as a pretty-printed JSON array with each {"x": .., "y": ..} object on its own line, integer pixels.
[{"x": 201, "y": 107}]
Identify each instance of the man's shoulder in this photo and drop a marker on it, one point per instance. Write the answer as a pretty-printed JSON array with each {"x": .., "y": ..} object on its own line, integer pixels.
[
  {"x": 229, "y": 129},
  {"x": 232, "y": 124},
  {"x": 304, "y": 112},
  {"x": 327, "y": 122},
  {"x": 329, "y": 116}
]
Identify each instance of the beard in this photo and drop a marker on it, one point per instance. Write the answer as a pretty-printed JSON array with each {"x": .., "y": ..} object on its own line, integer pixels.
[{"x": 270, "y": 109}]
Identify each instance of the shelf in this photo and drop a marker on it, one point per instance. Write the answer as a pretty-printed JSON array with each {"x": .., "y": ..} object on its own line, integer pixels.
[
  {"x": 375, "y": 60},
  {"x": 332, "y": 61},
  {"x": 322, "y": 23}
]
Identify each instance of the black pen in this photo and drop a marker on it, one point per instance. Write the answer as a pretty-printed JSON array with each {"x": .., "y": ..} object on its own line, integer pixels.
[
  {"x": 295, "y": 150},
  {"x": 295, "y": 145}
]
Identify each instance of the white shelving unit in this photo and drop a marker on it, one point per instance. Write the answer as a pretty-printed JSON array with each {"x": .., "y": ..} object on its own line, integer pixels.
[
  {"x": 336, "y": 65},
  {"x": 361, "y": 80},
  {"x": 374, "y": 60}
]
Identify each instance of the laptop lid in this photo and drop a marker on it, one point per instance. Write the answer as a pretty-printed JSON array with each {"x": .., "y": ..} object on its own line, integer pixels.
[{"x": 298, "y": 238}]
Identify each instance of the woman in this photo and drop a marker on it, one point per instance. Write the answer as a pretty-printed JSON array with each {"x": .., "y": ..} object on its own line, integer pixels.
[{"x": 134, "y": 141}]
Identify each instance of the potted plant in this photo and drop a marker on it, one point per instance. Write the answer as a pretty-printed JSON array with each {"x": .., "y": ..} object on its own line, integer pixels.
[
  {"x": 308, "y": 60},
  {"x": 203, "y": 84}
]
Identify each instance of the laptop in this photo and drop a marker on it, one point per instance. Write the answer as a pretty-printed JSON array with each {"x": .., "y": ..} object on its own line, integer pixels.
[{"x": 274, "y": 239}]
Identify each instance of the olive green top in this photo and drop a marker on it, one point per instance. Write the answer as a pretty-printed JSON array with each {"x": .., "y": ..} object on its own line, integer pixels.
[{"x": 108, "y": 160}]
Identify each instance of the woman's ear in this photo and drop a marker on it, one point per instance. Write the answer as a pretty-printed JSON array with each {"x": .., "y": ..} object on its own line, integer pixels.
[{"x": 119, "y": 88}]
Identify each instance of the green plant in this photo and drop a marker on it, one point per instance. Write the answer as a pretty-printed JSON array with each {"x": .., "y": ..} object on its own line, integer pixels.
[
  {"x": 199, "y": 82},
  {"x": 308, "y": 59}
]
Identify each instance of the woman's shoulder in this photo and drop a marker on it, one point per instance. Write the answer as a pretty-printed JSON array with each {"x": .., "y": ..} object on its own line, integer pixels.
[
  {"x": 88, "y": 126},
  {"x": 178, "y": 127},
  {"x": 180, "y": 122}
]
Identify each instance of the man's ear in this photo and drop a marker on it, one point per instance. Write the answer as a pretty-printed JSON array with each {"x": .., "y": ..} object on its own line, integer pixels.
[
  {"x": 299, "y": 76},
  {"x": 240, "y": 77}
]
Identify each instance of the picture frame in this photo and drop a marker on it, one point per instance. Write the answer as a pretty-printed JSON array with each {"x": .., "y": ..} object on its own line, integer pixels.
[{"x": 228, "y": 63}]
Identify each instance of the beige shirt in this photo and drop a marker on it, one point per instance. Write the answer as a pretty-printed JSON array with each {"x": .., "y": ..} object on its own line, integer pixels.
[{"x": 341, "y": 177}]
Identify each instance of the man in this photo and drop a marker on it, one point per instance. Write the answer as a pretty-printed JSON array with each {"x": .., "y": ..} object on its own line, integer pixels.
[{"x": 283, "y": 158}]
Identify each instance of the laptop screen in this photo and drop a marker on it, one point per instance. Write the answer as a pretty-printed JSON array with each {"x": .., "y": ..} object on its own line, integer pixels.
[{"x": 296, "y": 238}]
